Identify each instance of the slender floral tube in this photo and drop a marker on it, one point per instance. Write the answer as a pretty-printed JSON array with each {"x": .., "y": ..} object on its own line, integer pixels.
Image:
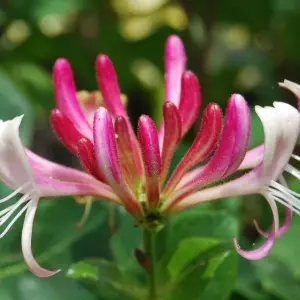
[
  {"x": 190, "y": 100},
  {"x": 204, "y": 143},
  {"x": 152, "y": 162},
  {"x": 87, "y": 157},
  {"x": 65, "y": 130},
  {"x": 172, "y": 136},
  {"x": 108, "y": 83},
  {"x": 175, "y": 61},
  {"x": 108, "y": 160},
  {"x": 66, "y": 99},
  {"x": 126, "y": 153}
]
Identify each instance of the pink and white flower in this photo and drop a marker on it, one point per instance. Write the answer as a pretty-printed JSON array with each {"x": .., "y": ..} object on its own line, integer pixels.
[{"x": 132, "y": 170}]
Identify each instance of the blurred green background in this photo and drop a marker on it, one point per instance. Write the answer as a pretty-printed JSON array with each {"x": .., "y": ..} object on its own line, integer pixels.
[{"x": 232, "y": 46}]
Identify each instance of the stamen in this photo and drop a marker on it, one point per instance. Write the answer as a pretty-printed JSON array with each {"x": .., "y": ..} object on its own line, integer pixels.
[
  {"x": 280, "y": 187},
  {"x": 14, "y": 219},
  {"x": 23, "y": 199},
  {"x": 295, "y": 157},
  {"x": 285, "y": 203},
  {"x": 285, "y": 196},
  {"x": 292, "y": 170},
  {"x": 14, "y": 192}
]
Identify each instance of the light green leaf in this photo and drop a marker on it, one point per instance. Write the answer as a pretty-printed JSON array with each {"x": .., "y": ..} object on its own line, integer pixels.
[
  {"x": 83, "y": 270},
  {"x": 188, "y": 250}
]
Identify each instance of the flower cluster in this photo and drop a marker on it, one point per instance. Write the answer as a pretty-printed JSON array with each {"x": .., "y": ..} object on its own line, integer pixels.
[{"x": 132, "y": 170}]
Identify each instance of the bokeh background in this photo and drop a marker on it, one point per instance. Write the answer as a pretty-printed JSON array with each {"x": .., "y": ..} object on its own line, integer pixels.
[{"x": 232, "y": 46}]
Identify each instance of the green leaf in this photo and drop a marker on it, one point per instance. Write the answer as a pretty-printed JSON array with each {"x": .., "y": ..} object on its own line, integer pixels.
[
  {"x": 54, "y": 232},
  {"x": 278, "y": 279},
  {"x": 196, "y": 223},
  {"x": 188, "y": 250},
  {"x": 211, "y": 276},
  {"x": 222, "y": 282},
  {"x": 83, "y": 270},
  {"x": 199, "y": 258},
  {"x": 107, "y": 278},
  {"x": 125, "y": 241}
]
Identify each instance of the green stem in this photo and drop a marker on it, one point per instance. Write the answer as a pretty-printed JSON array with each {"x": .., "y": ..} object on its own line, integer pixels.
[{"x": 150, "y": 251}]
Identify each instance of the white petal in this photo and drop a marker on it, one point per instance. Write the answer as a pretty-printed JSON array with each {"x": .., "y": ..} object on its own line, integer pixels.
[
  {"x": 272, "y": 130},
  {"x": 290, "y": 122},
  {"x": 15, "y": 169},
  {"x": 26, "y": 243},
  {"x": 292, "y": 86}
]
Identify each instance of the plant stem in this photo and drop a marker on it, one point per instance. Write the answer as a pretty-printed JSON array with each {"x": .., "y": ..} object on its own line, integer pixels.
[{"x": 150, "y": 251}]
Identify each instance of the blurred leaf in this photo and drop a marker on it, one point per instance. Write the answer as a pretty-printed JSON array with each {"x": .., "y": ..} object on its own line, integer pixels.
[
  {"x": 35, "y": 81},
  {"x": 14, "y": 103},
  {"x": 196, "y": 223},
  {"x": 188, "y": 250},
  {"x": 278, "y": 279},
  {"x": 83, "y": 270},
  {"x": 29, "y": 287},
  {"x": 107, "y": 278},
  {"x": 125, "y": 241},
  {"x": 202, "y": 260},
  {"x": 208, "y": 278},
  {"x": 247, "y": 283},
  {"x": 257, "y": 132},
  {"x": 52, "y": 237}
]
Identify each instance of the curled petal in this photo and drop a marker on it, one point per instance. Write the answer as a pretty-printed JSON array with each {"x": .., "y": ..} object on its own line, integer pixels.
[
  {"x": 34, "y": 267},
  {"x": 172, "y": 136},
  {"x": 87, "y": 156},
  {"x": 282, "y": 229},
  {"x": 108, "y": 83},
  {"x": 151, "y": 155},
  {"x": 65, "y": 96},
  {"x": 204, "y": 143},
  {"x": 65, "y": 130},
  {"x": 108, "y": 160},
  {"x": 190, "y": 100},
  {"x": 126, "y": 153},
  {"x": 287, "y": 219},
  {"x": 293, "y": 87},
  {"x": 260, "y": 252},
  {"x": 267, "y": 246}
]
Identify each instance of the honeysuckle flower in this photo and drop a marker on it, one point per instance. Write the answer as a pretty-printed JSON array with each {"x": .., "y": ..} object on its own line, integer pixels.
[
  {"x": 132, "y": 170},
  {"x": 281, "y": 127},
  {"x": 34, "y": 177},
  {"x": 136, "y": 166}
]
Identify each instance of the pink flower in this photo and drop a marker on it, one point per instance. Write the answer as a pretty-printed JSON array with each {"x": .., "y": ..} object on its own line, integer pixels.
[{"x": 136, "y": 166}]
